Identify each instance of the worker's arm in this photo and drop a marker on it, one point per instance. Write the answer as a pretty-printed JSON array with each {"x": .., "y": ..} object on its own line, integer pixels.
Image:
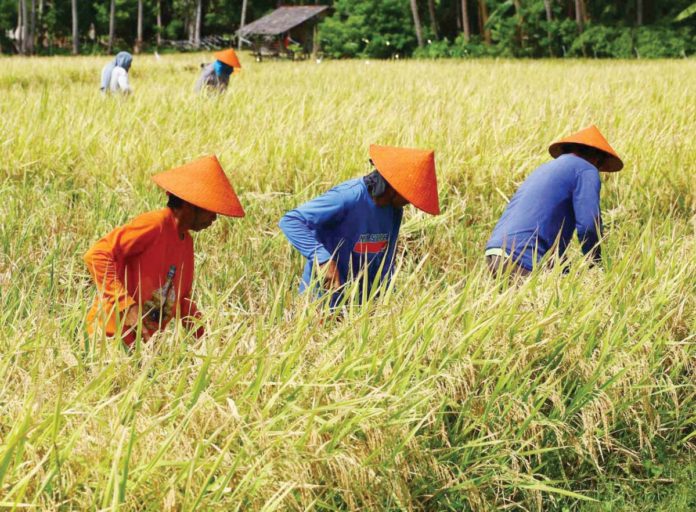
[
  {"x": 106, "y": 261},
  {"x": 588, "y": 220},
  {"x": 300, "y": 227}
]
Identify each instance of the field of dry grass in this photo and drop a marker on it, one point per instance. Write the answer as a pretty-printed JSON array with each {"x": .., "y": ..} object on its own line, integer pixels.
[{"x": 570, "y": 392}]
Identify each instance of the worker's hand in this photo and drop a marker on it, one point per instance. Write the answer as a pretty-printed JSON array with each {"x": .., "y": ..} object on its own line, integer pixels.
[
  {"x": 332, "y": 279},
  {"x": 132, "y": 316},
  {"x": 132, "y": 319}
]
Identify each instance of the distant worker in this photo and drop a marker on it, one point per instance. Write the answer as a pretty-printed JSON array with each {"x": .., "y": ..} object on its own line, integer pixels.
[
  {"x": 114, "y": 77},
  {"x": 216, "y": 76},
  {"x": 350, "y": 232},
  {"x": 559, "y": 198},
  {"x": 143, "y": 271}
]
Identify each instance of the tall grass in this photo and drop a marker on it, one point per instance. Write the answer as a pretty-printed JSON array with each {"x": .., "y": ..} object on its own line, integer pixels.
[{"x": 450, "y": 392}]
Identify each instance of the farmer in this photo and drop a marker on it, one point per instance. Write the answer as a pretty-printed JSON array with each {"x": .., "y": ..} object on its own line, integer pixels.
[
  {"x": 114, "y": 77},
  {"x": 216, "y": 76},
  {"x": 560, "y": 197},
  {"x": 350, "y": 232},
  {"x": 143, "y": 271}
]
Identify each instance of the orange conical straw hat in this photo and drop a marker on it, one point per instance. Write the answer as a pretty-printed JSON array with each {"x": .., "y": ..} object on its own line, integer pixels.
[
  {"x": 411, "y": 172},
  {"x": 228, "y": 57},
  {"x": 202, "y": 183},
  {"x": 592, "y": 137}
]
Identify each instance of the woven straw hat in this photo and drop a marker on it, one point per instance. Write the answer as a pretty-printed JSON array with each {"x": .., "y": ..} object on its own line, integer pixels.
[
  {"x": 411, "y": 172},
  {"x": 593, "y": 138},
  {"x": 228, "y": 57},
  {"x": 202, "y": 183}
]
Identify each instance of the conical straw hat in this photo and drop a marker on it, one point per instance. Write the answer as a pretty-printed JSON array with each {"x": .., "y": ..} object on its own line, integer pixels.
[
  {"x": 411, "y": 172},
  {"x": 202, "y": 183},
  {"x": 593, "y": 138},
  {"x": 228, "y": 57}
]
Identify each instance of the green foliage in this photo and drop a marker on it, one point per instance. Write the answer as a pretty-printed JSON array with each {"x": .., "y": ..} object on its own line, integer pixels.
[
  {"x": 600, "y": 41},
  {"x": 686, "y": 13},
  {"x": 597, "y": 41},
  {"x": 385, "y": 28},
  {"x": 664, "y": 41},
  {"x": 625, "y": 42},
  {"x": 368, "y": 28}
]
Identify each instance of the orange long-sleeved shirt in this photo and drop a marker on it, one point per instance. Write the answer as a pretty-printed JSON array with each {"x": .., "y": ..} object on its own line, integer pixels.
[{"x": 132, "y": 262}]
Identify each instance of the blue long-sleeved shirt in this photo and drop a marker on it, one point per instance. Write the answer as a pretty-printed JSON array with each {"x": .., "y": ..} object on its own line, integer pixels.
[
  {"x": 345, "y": 224},
  {"x": 558, "y": 198}
]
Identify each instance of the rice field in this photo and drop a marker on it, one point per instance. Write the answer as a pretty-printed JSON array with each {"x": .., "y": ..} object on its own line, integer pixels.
[{"x": 449, "y": 392}]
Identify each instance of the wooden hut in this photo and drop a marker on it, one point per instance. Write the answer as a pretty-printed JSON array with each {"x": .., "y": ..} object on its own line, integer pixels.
[{"x": 285, "y": 30}]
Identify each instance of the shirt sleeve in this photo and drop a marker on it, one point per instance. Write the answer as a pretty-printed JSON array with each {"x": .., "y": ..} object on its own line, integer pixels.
[
  {"x": 106, "y": 259},
  {"x": 588, "y": 220},
  {"x": 300, "y": 225},
  {"x": 206, "y": 78}
]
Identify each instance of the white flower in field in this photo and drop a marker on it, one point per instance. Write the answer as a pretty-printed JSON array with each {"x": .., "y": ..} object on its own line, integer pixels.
[{"x": 233, "y": 409}]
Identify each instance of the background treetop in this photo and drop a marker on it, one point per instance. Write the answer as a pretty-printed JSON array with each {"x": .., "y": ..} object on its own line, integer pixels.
[{"x": 365, "y": 28}]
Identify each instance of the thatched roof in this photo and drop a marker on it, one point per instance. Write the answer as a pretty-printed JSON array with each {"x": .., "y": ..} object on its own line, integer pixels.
[{"x": 281, "y": 20}]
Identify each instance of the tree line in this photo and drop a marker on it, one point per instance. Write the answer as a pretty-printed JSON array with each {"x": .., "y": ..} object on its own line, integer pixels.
[{"x": 366, "y": 28}]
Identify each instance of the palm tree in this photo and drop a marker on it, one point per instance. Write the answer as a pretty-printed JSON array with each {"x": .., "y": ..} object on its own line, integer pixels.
[
  {"x": 23, "y": 27},
  {"x": 433, "y": 18},
  {"x": 32, "y": 27},
  {"x": 417, "y": 23},
  {"x": 686, "y": 13},
  {"x": 199, "y": 22},
  {"x": 466, "y": 27},
  {"x": 549, "y": 19},
  {"x": 75, "y": 34},
  {"x": 579, "y": 9},
  {"x": 159, "y": 23},
  {"x": 139, "y": 36},
  {"x": 112, "y": 24},
  {"x": 20, "y": 27},
  {"x": 483, "y": 20},
  {"x": 241, "y": 24}
]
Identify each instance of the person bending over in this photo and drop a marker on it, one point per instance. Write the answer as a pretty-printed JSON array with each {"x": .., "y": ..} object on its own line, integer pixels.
[
  {"x": 350, "y": 232},
  {"x": 216, "y": 76},
  {"x": 114, "y": 78},
  {"x": 559, "y": 198},
  {"x": 143, "y": 271}
]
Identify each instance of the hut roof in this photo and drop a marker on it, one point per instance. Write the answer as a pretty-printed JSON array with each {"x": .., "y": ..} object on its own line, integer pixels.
[{"x": 281, "y": 20}]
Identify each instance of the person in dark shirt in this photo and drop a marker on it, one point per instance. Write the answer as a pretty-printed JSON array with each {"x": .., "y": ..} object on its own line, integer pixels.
[
  {"x": 216, "y": 76},
  {"x": 559, "y": 198}
]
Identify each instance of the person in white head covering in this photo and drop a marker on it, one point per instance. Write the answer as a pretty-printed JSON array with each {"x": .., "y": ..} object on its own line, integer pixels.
[{"x": 114, "y": 76}]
